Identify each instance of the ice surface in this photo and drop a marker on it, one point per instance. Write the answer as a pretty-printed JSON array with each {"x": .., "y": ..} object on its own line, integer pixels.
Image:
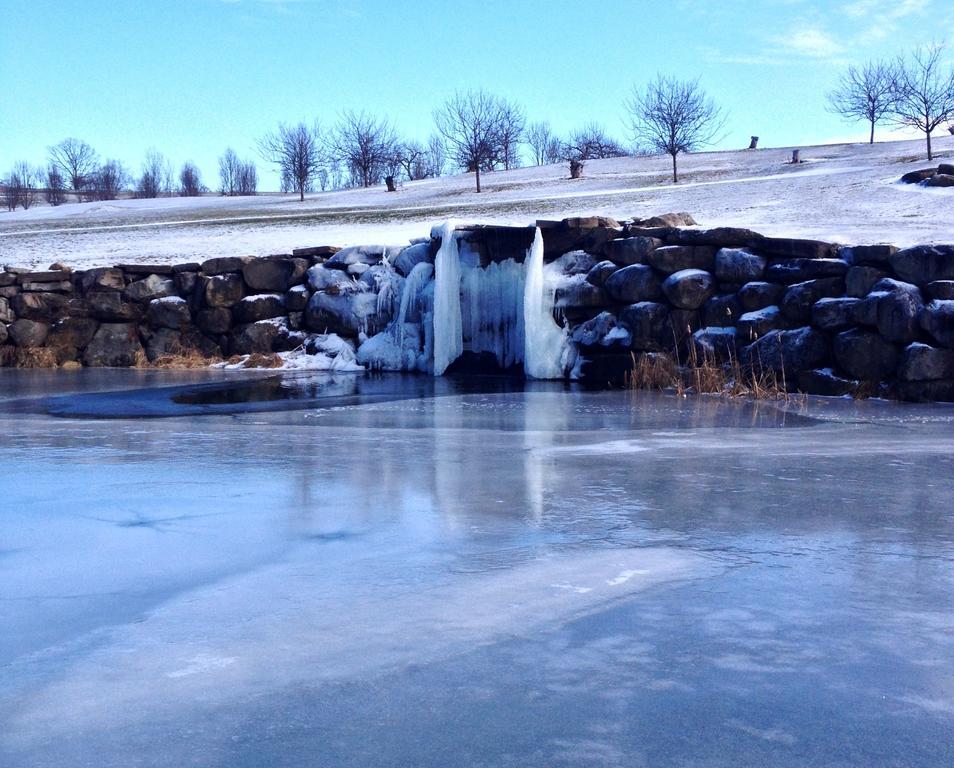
[{"x": 543, "y": 577}]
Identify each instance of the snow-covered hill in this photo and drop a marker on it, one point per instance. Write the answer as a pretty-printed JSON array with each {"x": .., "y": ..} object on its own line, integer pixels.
[{"x": 846, "y": 192}]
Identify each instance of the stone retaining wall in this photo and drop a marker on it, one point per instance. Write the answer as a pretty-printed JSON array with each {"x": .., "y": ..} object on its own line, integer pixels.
[{"x": 836, "y": 319}]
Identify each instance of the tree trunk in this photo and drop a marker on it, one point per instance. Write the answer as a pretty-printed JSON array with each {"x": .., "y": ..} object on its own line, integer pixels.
[
  {"x": 389, "y": 180},
  {"x": 477, "y": 169},
  {"x": 871, "y": 140},
  {"x": 301, "y": 193},
  {"x": 754, "y": 144},
  {"x": 675, "y": 176},
  {"x": 930, "y": 155}
]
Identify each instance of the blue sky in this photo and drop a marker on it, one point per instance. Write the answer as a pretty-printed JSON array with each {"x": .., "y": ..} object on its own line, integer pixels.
[{"x": 191, "y": 77}]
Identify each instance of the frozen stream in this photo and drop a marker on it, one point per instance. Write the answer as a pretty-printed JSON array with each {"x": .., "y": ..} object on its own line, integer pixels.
[{"x": 401, "y": 571}]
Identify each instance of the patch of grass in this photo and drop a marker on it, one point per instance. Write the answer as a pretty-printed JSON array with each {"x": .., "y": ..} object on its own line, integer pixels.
[{"x": 35, "y": 357}]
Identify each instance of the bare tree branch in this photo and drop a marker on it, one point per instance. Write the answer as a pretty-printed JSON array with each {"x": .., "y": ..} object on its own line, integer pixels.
[
  {"x": 867, "y": 94},
  {"x": 923, "y": 91}
]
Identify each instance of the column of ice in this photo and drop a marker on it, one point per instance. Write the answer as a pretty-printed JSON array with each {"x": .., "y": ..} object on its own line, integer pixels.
[
  {"x": 492, "y": 310},
  {"x": 546, "y": 342},
  {"x": 448, "y": 331}
]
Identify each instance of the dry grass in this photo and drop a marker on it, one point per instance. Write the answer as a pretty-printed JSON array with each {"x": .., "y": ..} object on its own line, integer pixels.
[
  {"x": 704, "y": 375},
  {"x": 35, "y": 357},
  {"x": 256, "y": 360},
  {"x": 186, "y": 360}
]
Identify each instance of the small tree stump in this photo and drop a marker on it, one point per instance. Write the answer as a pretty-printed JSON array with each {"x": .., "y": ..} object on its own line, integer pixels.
[
  {"x": 795, "y": 158},
  {"x": 576, "y": 169},
  {"x": 389, "y": 180},
  {"x": 754, "y": 144}
]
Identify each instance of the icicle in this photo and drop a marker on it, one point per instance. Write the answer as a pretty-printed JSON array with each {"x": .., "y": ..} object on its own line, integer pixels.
[
  {"x": 448, "y": 330},
  {"x": 492, "y": 310},
  {"x": 546, "y": 343}
]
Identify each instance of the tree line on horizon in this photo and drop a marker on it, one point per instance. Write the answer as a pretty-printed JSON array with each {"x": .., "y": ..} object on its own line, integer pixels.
[{"x": 477, "y": 132}]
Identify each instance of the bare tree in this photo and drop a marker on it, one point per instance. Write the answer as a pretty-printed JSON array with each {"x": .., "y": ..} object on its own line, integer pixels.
[
  {"x": 539, "y": 137},
  {"x": 107, "y": 182},
  {"x": 865, "y": 93},
  {"x": 436, "y": 159},
  {"x": 21, "y": 186},
  {"x": 591, "y": 142},
  {"x": 156, "y": 178},
  {"x": 410, "y": 156},
  {"x": 510, "y": 133},
  {"x": 75, "y": 159},
  {"x": 365, "y": 144},
  {"x": 228, "y": 172},
  {"x": 297, "y": 151},
  {"x": 924, "y": 91},
  {"x": 674, "y": 116},
  {"x": 190, "y": 180},
  {"x": 246, "y": 178},
  {"x": 470, "y": 123},
  {"x": 55, "y": 191}
]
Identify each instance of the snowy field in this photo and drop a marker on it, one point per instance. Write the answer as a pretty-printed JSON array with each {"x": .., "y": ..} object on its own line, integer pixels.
[{"x": 845, "y": 192}]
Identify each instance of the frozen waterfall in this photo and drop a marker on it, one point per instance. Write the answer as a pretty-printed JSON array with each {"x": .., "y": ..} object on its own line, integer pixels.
[
  {"x": 448, "y": 328},
  {"x": 439, "y": 312},
  {"x": 547, "y": 343}
]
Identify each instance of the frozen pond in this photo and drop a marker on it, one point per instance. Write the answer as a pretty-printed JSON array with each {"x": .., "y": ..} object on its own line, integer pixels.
[{"x": 396, "y": 571}]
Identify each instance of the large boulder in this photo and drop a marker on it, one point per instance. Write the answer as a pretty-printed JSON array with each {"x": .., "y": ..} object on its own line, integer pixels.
[
  {"x": 800, "y": 270},
  {"x": 758, "y": 295},
  {"x": 269, "y": 275},
  {"x": 169, "y": 312},
  {"x": 921, "y": 362},
  {"x": 263, "y": 337},
  {"x": 114, "y": 345},
  {"x": 865, "y": 355},
  {"x": 924, "y": 264},
  {"x": 868, "y": 255},
  {"x": 598, "y": 273},
  {"x": 799, "y": 299},
  {"x": 152, "y": 287},
  {"x": 297, "y": 298},
  {"x": 631, "y": 250},
  {"x": 41, "y": 307},
  {"x": 214, "y": 321},
  {"x": 28, "y": 333},
  {"x": 7, "y": 315},
  {"x": 224, "y": 265},
  {"x": 790, "y": 248},
  {"x": 714, "y": 344},
  {"x": 411, "y": 256},
  {"x": 754, "y": 325},
  {"x": 859, "y": 281},
  {"x": 940, "y": 180},
  {"x": 737, "y": 265},
  {"x": 362, "y": 254},
  {"x": 102, "y": 279},
  {"x": 69, "y": 336},
  {"x": 825, "y": 382},
  {"x": 224, "y": 290},
  {"x": 722, "y": 311},
  {"x": 676, "y": 258},
  {"x": 331, "y": 280},
  {"x": 345, "y": 314},
  {"x": 719, "y": 237},
  {"x": 603, "y": 332},
  {"x": 898, "y": 311},
  {"x": 835, "y": 314},
  {"x": 787, "y": 351},
  {"x": 937, "y": 318},
  {"x": 648, "y": 326},
  {"x": 636, "y": 282},
  {"x": 939, "y": 289},
  {"x": 262, "y": 306},
  {"x": 111, "y": 307},
  {"x": 689, "y": 288},
  {"x": 916, "y": 177}
]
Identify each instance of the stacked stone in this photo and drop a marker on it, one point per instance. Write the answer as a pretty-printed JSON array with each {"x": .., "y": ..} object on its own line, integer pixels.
[
  {"x": 127, "y": 314},
  {"x": 831, "y": 320}
]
